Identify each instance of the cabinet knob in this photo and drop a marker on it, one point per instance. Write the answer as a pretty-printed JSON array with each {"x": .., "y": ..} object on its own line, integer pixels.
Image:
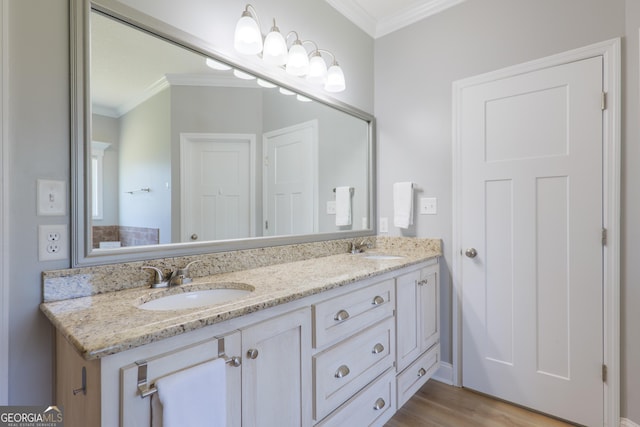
[
  {"x": 194, "y": 236},
  {"x": 380, "y": 403},
  {"x": 341, "y": 315},
  {"x": 378, "y": 300},
  {"x": 378, "y": 348},
  {"x": 252, "y": 353},
  {"x": 423, "y": 282},
  {"x": 421, "y": 372},
  {"x": 471, "y": 252},
  {"x": 342, "y": 371}
]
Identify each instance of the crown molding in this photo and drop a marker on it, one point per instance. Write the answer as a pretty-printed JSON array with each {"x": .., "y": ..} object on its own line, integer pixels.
[{"x": 376, "y": 28}]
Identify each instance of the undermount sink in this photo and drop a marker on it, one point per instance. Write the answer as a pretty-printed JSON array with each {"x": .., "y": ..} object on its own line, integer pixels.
[
  {"x": 197, "y": 298},
  {"x": 381, "y": 256}
]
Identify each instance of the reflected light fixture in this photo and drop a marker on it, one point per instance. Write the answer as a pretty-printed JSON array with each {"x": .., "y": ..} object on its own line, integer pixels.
[
  {"x": 242, "y": 75},
  {"x": 216, "y": 65},
  {"x": 295, "y": 59}
]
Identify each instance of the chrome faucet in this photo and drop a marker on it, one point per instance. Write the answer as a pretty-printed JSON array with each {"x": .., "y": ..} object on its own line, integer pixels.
[
  {"x": 358, "y": 248},
  {"x": 179, "y": 276}
]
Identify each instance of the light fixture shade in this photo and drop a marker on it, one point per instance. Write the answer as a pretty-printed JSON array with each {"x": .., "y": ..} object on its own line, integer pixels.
[
  {"x": 317, "y": 70},
  {"x": 242, "y": 75},
  {"x": 247, "y": 38},
  {"x": 216, "y": 65},
  {"x": 275, "y": 48},
  {"x": 298, "y": 61},
  {"x": 335, "y": 79},
  {"x": 265, "y": 84}
]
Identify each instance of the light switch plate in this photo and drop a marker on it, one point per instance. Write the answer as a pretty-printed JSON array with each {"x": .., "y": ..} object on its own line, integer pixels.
[
  {"x": 52, "y": 197},
  {"x": 331, "y": 207},
  {"x": 428, "y": 206}
]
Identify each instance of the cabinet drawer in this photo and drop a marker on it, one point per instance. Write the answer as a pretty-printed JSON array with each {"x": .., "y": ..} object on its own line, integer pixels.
[
  {"x": 373, "y": 406},
  {"x": 342, "y": 370},
  {"x": 342, "y": 316},
  {"x": 417, "y": 374}
]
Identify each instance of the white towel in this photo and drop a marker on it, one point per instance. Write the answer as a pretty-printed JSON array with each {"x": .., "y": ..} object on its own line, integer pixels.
[
  {"x": 343, "y": 206},
  {"x": 403, "y": 204},
  {"x": 192, "y": 398}
]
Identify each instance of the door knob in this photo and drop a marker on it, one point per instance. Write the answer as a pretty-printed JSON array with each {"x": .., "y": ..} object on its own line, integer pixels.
[{"x": 471, "y": 252}]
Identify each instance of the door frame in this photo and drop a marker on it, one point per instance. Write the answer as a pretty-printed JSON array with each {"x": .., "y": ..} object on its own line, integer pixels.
[
  {"x": 186, "y": 141},
  {"x": 610, "y": 50}
]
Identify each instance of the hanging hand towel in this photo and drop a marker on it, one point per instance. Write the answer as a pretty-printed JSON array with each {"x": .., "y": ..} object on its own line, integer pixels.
[
  {"x": 193, "y": 397},
  {"x": 403, "y": 204},
  {"x": 343, "y": 206}
]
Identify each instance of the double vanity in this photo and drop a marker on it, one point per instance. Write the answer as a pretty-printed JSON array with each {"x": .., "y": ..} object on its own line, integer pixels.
[{"x": 312, "y": 334}]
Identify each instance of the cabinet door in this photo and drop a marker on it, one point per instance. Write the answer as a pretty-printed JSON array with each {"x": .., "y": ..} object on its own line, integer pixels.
[
  {"x": 276, "y": 371},
  {"x": 408, "y": 308},
  {"x": 429, "y": 313}
]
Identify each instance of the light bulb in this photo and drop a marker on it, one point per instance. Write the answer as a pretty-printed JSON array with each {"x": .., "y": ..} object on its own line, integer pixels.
[
  {"x": 275, "y": 47},
  {"x": 317, "y": 69},
  {"x": 247, "y": 39},
  {"x": 298, "y": 61},
  {"x": 335, "y": 79}
]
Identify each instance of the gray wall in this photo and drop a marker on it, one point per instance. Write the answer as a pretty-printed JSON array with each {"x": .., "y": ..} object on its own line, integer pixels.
[{"x": 414, "y": 70}]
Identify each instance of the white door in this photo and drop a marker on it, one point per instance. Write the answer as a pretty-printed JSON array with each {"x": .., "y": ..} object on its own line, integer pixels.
[
  {"x": 217, "y": 186},
  {"x": 290, "y": 180},
  {"x": 532, "y": 209}
]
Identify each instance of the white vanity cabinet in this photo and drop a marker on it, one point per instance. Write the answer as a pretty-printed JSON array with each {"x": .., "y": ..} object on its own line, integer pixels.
[
  {"x": 276, "y": 371},
  {"x": 418, "y": 329},
  {"x": 354, "y": 340}
]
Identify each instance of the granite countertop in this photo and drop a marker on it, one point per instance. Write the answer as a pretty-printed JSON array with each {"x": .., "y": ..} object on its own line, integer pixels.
[{"x": 111, "y": 322}]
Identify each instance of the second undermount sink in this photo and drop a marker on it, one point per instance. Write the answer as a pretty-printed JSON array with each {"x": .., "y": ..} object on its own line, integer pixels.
[
  {"x": 197, "y": 298},
  {"x": 381, "y": 256}
]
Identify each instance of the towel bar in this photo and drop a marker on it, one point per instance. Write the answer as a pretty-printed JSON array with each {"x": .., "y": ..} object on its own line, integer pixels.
[
  {"x": 351, "y": 190},
  {"x": 146, "y": 389}
]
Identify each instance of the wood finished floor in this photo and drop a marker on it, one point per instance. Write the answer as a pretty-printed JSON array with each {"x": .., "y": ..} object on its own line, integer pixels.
[{"x": 439, "y": 405}]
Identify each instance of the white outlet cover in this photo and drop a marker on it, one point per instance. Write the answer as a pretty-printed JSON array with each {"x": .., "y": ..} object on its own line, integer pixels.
[
  {"x": 52, "y": 242},
  {"x": 331, "y": 207},
  {"x": 384, "y": 225},
  {"x": 428, "y": 206},
  {"x": 52, "y": 197}
]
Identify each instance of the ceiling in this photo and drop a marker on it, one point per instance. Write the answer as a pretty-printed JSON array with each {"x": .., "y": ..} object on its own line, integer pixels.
[{"x": 380, "y": 17}]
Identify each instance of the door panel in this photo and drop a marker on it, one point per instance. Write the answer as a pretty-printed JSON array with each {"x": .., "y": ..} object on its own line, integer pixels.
[{"x": 531, "y": 156}]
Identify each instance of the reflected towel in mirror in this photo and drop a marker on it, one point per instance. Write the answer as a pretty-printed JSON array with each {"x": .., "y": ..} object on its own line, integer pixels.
[{"x": 343, "y": 206}]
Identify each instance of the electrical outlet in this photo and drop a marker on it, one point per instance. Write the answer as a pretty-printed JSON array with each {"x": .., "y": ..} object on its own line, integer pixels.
[
  {"x": 384, "y": 225},
  {"x": 331, "y": 207},
  {"x": 428, "y": 206},
  {"x": 52, "y": 242}
]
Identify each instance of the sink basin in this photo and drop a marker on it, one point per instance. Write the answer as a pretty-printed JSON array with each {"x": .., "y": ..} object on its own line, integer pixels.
[
  {"x": 381, "y": 256},
  {"x": 196, "y": 298}
]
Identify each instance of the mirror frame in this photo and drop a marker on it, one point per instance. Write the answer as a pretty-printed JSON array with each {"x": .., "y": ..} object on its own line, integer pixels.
[{"x": 82, "y": 253}]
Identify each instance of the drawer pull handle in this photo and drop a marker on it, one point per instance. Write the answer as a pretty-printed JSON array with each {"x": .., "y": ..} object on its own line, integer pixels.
[
  {"x": 342, "y": 371},
  {"x": 421, "y": 372},
  {"x": 423, "y": 282},
  {"x": 341, "y": 315},
  {"x": 252, "y": 353},
  {"x": 378, "y": 300},
  {"x": 380, "y": 403},
  {"x": 378, "y": 348}
]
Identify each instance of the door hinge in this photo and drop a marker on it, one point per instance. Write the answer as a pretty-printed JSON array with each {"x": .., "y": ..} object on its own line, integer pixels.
[
  {"x": 604, "y": 237},
  {"x": 604, "y": 373},
  {"x": 603, "y": 101}
]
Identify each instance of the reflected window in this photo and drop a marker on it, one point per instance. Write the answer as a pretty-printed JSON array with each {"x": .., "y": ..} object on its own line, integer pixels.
[{"x": 97, "y": 178}]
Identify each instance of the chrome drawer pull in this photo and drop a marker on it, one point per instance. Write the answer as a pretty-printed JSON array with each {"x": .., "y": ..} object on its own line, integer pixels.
[
  {"x": 378, "y": 300},
  {"x": 380, "y": 403},
  {"x": 341, "y": 315},
  {"x": 421, "y": 372},
  {"x": 342, "y": 371},
  {"x": 378, "y": 348}
]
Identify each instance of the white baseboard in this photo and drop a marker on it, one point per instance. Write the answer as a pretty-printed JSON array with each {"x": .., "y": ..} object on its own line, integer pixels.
[
  {"x": 444, "y": 374},
  {"x": 627, "y": 423}
]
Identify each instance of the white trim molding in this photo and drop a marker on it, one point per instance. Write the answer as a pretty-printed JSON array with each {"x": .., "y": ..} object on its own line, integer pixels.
[
  {"x": 624, "y": 422},
  {"x": 4, "y": 184},
  {"x": 444, "y": 374},
  {"x": 610, "y": 51}
]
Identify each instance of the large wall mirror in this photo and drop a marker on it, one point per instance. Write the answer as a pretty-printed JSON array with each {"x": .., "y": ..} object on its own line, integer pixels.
[{"x": 175, "y": 156}]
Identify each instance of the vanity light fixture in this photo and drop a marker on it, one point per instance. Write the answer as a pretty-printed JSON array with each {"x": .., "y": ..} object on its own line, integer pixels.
[
  {"x": 248, "y": 38},
  {"x": 295, "y": 59},
  {"x": 242, "y": 75},
  {"x": 216, "y": 65},
  {"x": 266, "y": 84}
]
